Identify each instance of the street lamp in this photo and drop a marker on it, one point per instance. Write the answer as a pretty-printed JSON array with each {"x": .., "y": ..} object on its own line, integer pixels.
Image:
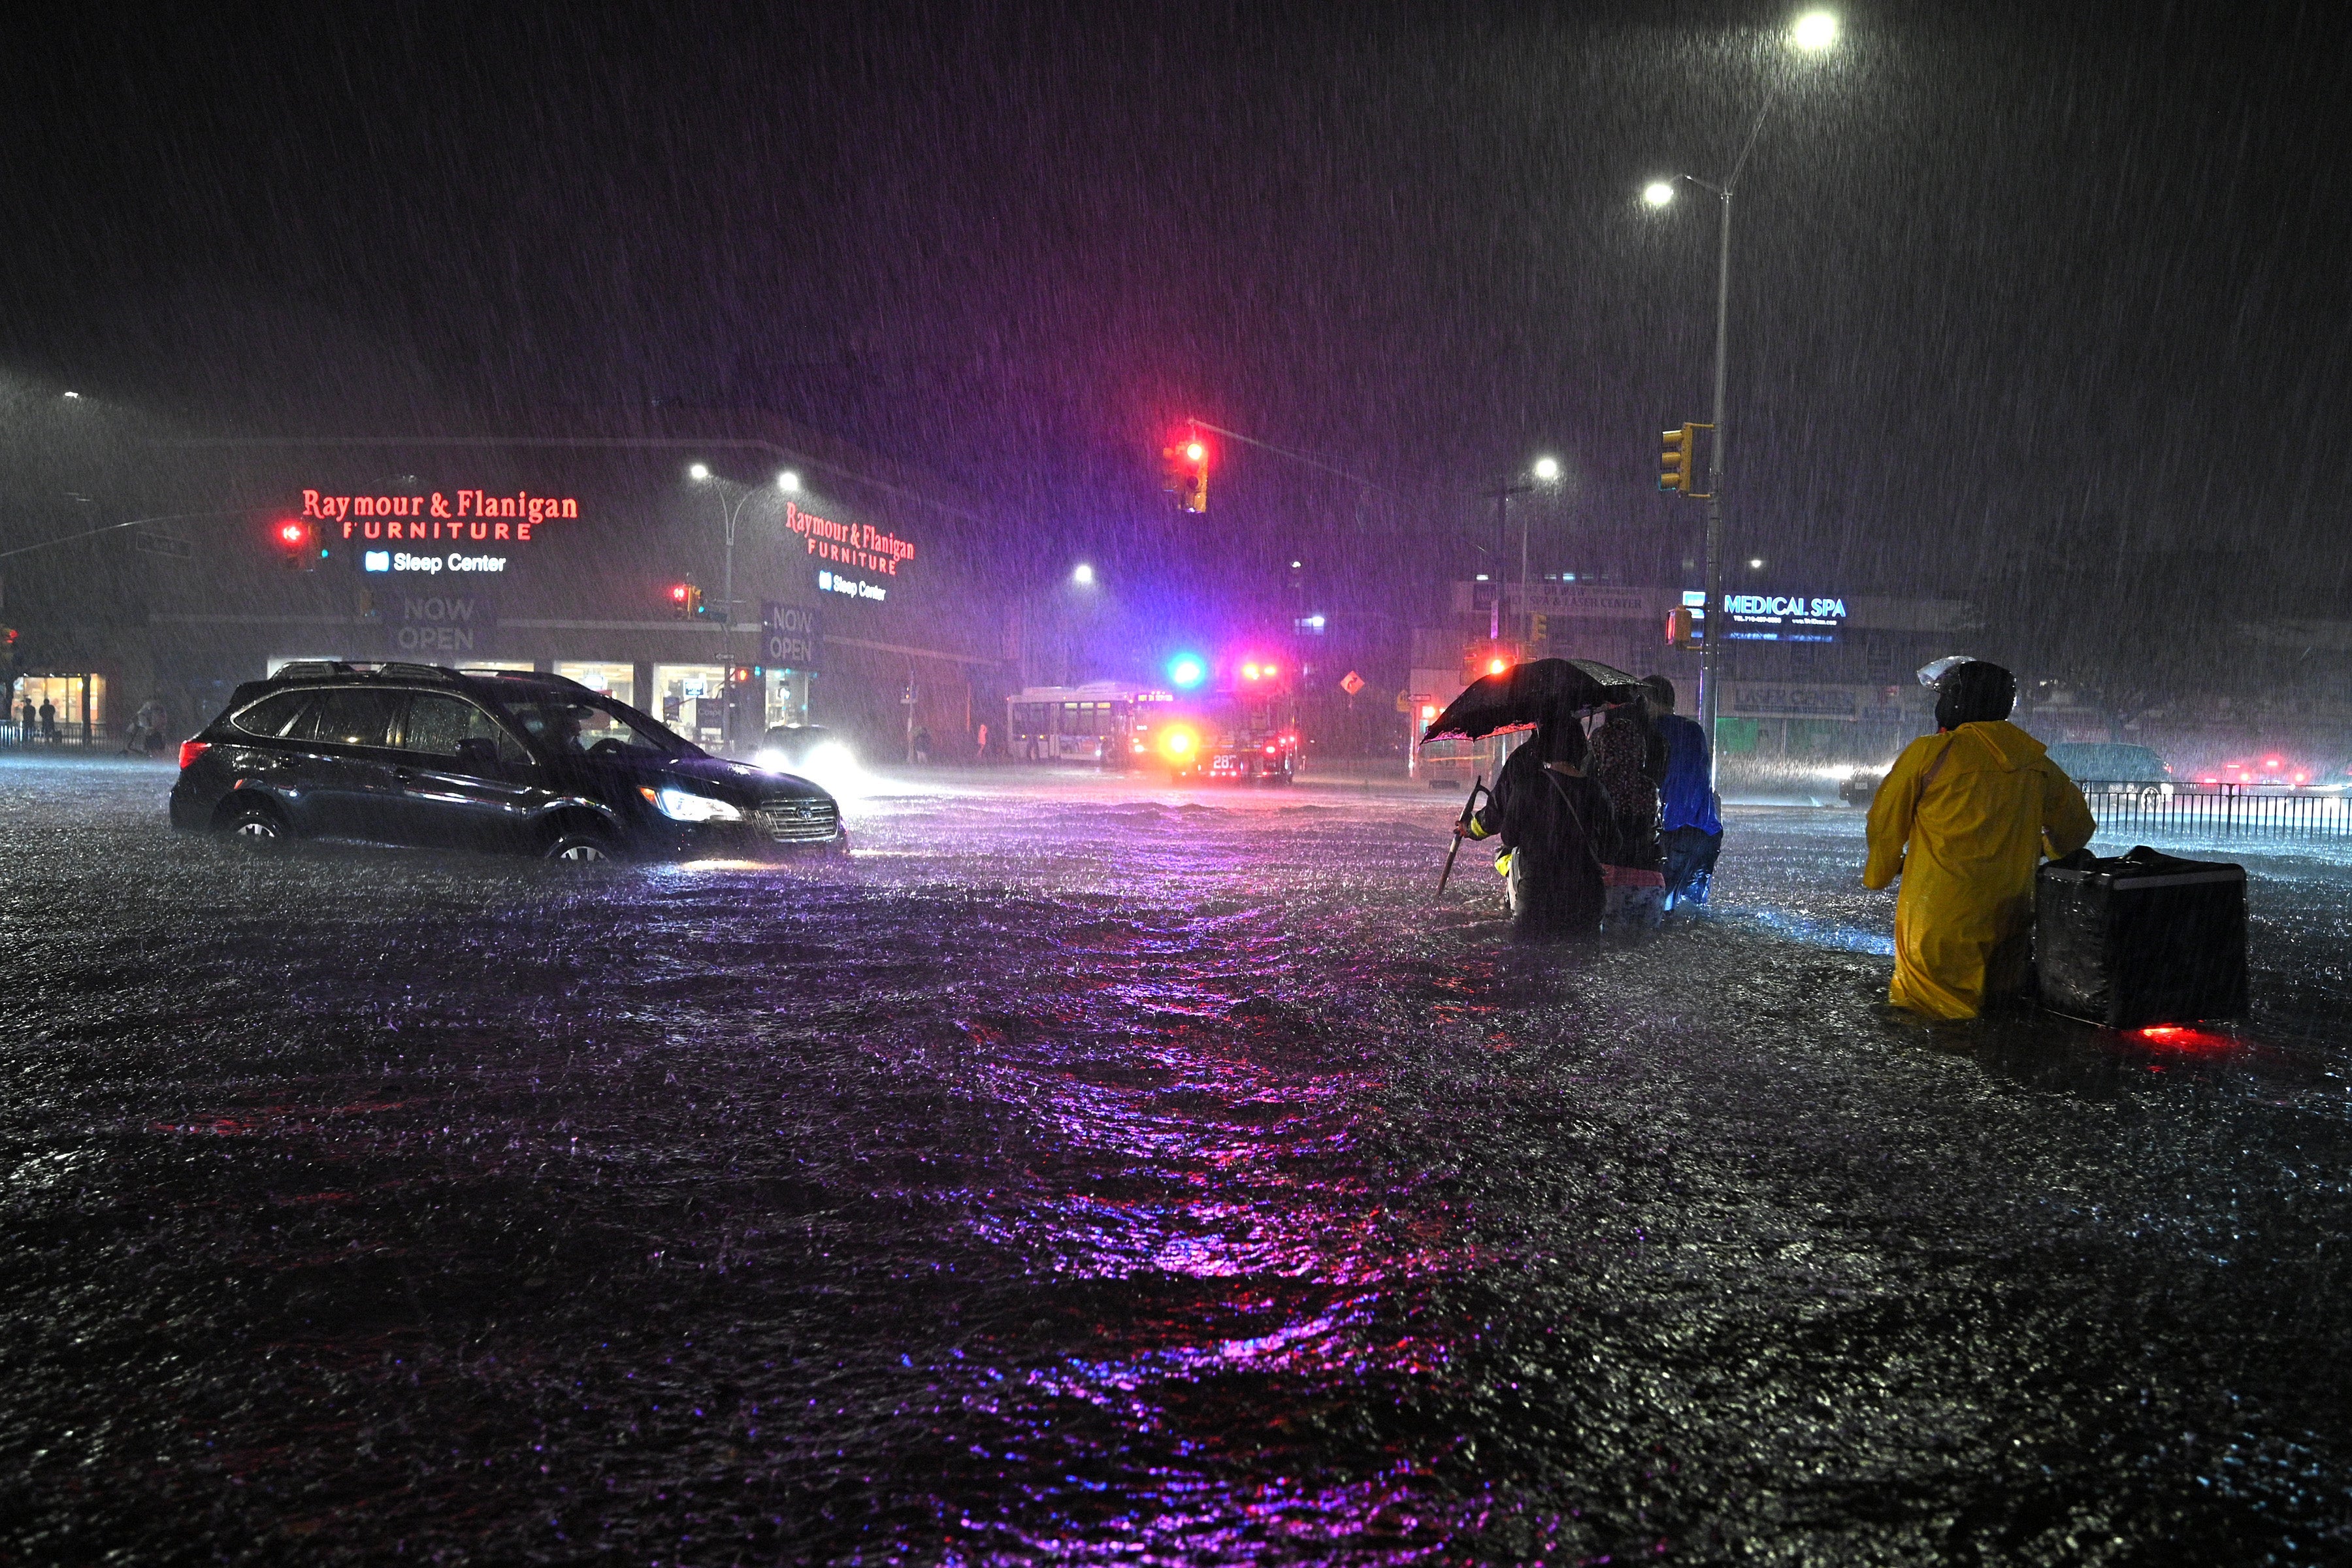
[
  {"x": 1084, "y": 575},
  {"x": 731, "y": 508},
  {"x": 1544, "y": 471},
  {"x": 1813, "y": 33}
]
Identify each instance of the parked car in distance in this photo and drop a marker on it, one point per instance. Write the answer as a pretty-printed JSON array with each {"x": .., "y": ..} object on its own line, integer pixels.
[
  {"x": 1859, "y": 787},
  {"x": 532, "y": 763},
  {"x": 2090, "y": 762}
]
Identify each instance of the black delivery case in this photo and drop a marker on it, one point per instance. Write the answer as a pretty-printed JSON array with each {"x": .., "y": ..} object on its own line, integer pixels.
[{"x": 2140, "y": 939}]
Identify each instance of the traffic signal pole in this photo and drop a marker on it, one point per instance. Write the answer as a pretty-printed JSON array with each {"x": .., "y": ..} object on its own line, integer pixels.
[{"x": 1710, "y": 657}]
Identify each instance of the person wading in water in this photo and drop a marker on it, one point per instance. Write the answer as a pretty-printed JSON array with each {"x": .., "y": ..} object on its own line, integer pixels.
[{"x": 1557, "y": 832}]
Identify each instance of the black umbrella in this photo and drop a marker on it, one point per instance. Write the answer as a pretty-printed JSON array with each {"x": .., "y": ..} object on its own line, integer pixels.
[{"x": 1528, "y": 694}]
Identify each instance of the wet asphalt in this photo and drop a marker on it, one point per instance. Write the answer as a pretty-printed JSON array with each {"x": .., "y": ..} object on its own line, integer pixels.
[{"x": 1091, "y": 1173}]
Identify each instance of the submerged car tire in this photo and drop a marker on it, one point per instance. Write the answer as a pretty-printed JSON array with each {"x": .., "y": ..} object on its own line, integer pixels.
[
  {"x": 581, "y": 846},
  {"x": 254, "y": 821}
]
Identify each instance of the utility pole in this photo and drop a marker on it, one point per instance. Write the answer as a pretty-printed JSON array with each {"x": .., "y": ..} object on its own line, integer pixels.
[{"x": 1812, "y": 34}]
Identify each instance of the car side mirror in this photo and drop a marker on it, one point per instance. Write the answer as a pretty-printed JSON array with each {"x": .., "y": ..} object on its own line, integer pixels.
[{"x": 478, "y": 755}]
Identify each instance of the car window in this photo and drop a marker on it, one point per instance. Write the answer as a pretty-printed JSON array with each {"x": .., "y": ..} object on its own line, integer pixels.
[
  {"x": 436, "y": 722},
  {"x": 273, "y": 715},
  {"x": 352, "y": 716},
  {"x": 581, "y": 726}
]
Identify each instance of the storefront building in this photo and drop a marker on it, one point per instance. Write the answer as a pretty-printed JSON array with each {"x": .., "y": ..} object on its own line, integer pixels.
[{"x": 853, "y": 606}]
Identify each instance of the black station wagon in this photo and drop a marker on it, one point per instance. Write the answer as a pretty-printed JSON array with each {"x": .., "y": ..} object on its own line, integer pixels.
[{"x": 413, "y": 753}]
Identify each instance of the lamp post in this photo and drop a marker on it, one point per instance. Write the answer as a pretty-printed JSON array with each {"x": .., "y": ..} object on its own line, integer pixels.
[
  {"x": 1811, "y": 33},
  {"x": 731, "y": 499},
  {"x": 1545, "y": 472}
]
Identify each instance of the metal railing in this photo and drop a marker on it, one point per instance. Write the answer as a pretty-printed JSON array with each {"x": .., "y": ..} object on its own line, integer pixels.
[{"x": 2217, "y": 808}]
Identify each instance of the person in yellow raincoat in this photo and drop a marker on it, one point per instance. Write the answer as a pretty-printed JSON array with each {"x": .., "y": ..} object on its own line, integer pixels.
[{"x": 1965, "y": 817}]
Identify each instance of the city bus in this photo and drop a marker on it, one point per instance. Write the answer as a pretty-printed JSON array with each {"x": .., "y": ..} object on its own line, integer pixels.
[{"x": 1104, "y": 723}]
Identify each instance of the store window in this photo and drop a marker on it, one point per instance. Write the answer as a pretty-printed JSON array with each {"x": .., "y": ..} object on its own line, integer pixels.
[
  {"x": 789, "y": 695},
  {"x": 617, "y": 681},
  {"x": 72, "y": 699},
  {"x": 691, "y": 698}
]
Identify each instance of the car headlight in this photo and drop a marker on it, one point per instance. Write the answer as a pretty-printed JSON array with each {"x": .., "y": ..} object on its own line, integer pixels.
[
  {"x": 771, "y": 759},
  {"x": 684, "y": 805}
]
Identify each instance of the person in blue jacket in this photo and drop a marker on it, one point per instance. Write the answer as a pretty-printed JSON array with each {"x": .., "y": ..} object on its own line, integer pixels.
[{"x": 1690, "y": 830}]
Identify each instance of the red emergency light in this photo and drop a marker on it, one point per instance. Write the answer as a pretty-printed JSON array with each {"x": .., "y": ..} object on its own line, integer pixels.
[{"x": 2183, "y": 1037}]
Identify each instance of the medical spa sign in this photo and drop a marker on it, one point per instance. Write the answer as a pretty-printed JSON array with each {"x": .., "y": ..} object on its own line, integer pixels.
[{"x": 437, "y": 531}]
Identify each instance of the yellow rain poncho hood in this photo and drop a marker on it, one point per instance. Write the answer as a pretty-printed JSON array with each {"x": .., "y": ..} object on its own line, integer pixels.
[{"x": 1964, "y": 818}]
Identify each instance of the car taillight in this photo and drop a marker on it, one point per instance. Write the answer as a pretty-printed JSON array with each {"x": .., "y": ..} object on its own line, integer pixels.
[{"x": 191, "y": 750}]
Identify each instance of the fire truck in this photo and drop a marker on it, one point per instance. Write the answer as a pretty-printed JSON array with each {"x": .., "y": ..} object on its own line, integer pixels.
[{"x": 1243, "y": 729}]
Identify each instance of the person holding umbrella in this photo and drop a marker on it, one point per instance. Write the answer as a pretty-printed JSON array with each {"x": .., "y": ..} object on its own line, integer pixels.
[
  {"x": 1557, "y": 834},
  {"x": 1965, "y": 817},
  {"x": 1553, "y": 819}
]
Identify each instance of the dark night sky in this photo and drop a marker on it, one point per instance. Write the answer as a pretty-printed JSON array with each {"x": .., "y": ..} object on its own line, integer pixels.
[{"x": 1997, "y": 265}]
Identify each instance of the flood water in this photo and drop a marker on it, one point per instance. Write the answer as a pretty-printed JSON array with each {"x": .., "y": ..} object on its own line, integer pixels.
[{"x": 1092, "y": 1174}]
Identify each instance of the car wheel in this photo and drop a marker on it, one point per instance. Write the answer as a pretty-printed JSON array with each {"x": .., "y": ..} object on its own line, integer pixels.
[
  {"x": 581, "y": 848},
  {"x": 255, "y": 821}
]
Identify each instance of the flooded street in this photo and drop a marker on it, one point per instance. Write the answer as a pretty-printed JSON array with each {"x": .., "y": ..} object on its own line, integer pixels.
[{"x": 1093, "y": 1173}]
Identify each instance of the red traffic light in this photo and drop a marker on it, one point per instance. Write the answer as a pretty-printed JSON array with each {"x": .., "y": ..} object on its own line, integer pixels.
[
  {"x": 1184, "y": 469},
  {"x": 677, "y": 593},
  {"x": 293, "y": 538}
]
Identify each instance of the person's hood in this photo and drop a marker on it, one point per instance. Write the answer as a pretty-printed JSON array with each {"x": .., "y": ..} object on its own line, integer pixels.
[{"x": 2010, "y": 747}]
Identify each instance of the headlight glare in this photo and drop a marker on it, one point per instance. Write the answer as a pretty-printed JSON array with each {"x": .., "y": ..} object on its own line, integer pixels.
[{"x": 684, "y": 805}]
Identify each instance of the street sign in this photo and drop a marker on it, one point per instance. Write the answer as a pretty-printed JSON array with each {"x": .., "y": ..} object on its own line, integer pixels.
[
  {"x": 162, "y": 544},
  {"x": 1352, "y": 683}
]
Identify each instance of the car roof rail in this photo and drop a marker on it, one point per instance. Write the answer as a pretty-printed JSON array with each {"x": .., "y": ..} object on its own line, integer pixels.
[
  {"x": 401, "y": 670},
  {"x": 537, "y": 676},
  {"x": 311, "y": 669}
]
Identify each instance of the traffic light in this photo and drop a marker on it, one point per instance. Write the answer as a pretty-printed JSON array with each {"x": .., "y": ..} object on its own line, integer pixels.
[
  {"x": 1539, "y": 630},
  {"x": 1483, "y": 659},
  {"x": 685, "y": 601},
  {"x": 1678, "y": 464},
  {"x": 1184, "y": 470},
  {"x": 1682, "y": 629},
  {"x": 292, "y": 537}
]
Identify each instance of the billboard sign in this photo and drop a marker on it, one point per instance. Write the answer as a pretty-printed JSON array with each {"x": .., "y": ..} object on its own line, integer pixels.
[
  {"x": 788, "y": 635},
  {"x": 433, "y": 623}
]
